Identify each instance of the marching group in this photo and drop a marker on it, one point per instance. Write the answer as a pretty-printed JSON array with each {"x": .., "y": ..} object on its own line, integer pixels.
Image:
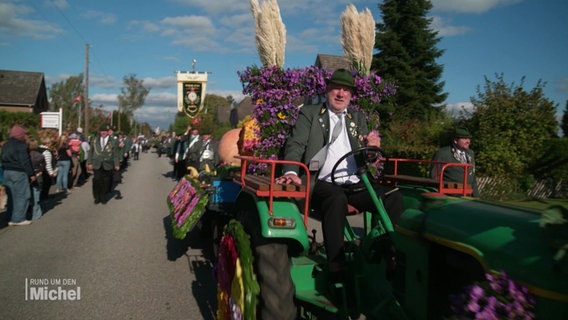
[
  {"x": 33, "y": 165},
  {"x": 191, "y": 151}
]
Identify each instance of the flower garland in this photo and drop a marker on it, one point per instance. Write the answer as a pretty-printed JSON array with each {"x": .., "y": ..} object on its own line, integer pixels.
[
  {"x": 498, "y": 297},
  {"x": 237, "y": 288},
  {"x": 187, "y": 203},
  {"x": 274, "y": 90}
]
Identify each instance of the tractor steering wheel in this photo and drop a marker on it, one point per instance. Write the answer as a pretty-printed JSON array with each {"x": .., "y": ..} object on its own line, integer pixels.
[{"x": 363, "y": 156}]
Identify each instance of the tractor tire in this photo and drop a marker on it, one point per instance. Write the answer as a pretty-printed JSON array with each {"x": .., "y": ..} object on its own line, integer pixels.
[{"x": 276, "y": 286}]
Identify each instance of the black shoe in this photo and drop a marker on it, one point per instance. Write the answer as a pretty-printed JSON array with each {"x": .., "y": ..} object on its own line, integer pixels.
[{"x": 97, "y": 202}]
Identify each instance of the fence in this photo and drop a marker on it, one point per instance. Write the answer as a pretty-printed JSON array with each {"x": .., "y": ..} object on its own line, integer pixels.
[{"x": 497, "y": 188}]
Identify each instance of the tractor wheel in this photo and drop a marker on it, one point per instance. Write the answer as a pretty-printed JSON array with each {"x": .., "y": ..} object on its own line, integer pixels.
[{"x": 276, "y": 286}]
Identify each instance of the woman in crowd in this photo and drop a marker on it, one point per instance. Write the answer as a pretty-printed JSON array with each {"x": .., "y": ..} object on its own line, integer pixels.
[
  {"x": 38, "y": 164},
  {"x": 50, "y": 171},
  {"x": 63, "y": 164}
]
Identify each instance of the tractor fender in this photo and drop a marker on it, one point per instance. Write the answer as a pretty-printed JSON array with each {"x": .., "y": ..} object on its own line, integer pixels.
[{"x": 254, "y": 213}]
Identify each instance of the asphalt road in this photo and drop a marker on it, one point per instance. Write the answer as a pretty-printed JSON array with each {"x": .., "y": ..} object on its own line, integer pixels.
[{"x": 113, "y": 261}]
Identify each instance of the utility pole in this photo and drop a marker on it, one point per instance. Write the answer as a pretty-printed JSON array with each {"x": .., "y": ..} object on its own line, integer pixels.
[{"x": 86, "y": 129}]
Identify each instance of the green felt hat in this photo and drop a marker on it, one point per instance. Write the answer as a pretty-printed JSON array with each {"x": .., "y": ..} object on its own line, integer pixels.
[
  {"x": 461, "y": 133},
  {"x": 342, "y": 77}
]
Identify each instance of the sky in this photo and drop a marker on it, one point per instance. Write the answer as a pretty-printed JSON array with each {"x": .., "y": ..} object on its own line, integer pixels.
[{"x": 520, "y": 39}]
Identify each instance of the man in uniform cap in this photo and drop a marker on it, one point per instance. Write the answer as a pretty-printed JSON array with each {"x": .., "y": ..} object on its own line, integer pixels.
[
  {"x": 459, "y": 152},
  {"x": 314, "y": 142},
  {"x": 103, "y": 159}
]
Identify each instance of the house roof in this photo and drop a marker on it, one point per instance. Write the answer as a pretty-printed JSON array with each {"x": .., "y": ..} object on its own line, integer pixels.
[
  {"x": 332, "y": 62},
  {"x": 20, "y": 88}
]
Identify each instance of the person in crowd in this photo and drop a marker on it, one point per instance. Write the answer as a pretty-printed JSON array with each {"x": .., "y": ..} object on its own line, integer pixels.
[
  {"x": 136, "y": 147},
  {"x": 38, "y": 164},
  {"x": 193, "y": 149},
  {"x": 459, "y": 152},
  {"x": 85, "y": 146},
  {"x": 208, "y": 155},
  {"x": 234, "y": 117},
  {"x": 50, "y": 172},
  {"x": 313, "y": 143},
  {"x": 125, "y": 144},
  {"x": 75, "y": 172},
  {"x": 63, "y": 165},
  {"x": 80, "y": 134},
  {"x": 180, "y": 156},
  {"x": 103, "y": 160},
  {"x": 18, "y": 173}
]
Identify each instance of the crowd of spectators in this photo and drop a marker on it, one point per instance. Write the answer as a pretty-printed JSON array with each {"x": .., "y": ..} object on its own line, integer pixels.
[{"x": 36, "y": 167}]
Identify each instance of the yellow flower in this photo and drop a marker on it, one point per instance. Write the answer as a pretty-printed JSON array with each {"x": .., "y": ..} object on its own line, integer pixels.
[{"x": 281, "y": 115}]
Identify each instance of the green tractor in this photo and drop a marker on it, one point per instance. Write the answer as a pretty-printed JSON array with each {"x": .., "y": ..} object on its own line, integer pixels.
[{"x": 270, "y": 265}]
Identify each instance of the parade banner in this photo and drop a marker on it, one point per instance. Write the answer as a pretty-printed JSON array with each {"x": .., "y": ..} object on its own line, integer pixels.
[{"x": 191, "y": 92}]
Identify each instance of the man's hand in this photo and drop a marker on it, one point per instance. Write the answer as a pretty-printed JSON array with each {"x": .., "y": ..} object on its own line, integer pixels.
[
  {"x": 288, "y": 178},
  {"x": 373, "y": 139}
]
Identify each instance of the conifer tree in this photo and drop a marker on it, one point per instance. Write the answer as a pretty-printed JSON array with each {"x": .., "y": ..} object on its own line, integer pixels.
[{"x": 407, "y": 55}]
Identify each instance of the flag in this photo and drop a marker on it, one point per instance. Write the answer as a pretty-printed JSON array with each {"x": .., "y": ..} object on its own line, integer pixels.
[
  {"x": 77, "y": 99},
  {"x": 109, "y": 116}
]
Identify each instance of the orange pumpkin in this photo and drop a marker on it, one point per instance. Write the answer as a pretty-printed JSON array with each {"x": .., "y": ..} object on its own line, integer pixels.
[{"x": 228, "y": 148}]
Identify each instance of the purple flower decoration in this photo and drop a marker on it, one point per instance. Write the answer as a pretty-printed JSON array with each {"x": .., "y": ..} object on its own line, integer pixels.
[{"x": 499, "y": 297}]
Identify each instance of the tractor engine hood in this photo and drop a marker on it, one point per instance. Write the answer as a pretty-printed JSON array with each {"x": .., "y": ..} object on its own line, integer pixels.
[{"x": 500, "y": 237}]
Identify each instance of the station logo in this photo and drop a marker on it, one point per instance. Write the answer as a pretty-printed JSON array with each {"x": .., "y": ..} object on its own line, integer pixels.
[{"x": 52, "y": 289}]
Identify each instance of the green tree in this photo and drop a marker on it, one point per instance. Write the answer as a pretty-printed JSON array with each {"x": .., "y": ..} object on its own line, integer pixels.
[
  {"x": 564, "y": 123},
  {"x": 132, "y": 97},
  {"x": 407, "y": 57},
  {"x": 511, "y": 127},
  {"x": 62, "y": 95}
]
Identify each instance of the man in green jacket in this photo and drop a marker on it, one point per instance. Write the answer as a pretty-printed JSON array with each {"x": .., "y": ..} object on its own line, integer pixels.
[
  {"x": 104, "y": 157},
  {"x": 321, "y": 136},
  {"x": 458, "y": 152}
]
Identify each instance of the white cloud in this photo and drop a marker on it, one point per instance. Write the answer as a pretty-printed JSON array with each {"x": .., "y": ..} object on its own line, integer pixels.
[
  {"x": 217, "y": 6},
  {"x": 470, "y": 6},
  {"x": 190, "y": 22},
  {"x": 444, "y": 30},
  {"x": 13, "y": 24},
  {"x": 455, "y": 109},
  {"x": 104, "y": 99},
  {"x": 162, "y": 99},
  {"x": 59, "y": 4},
  {"x": 102, "y": 17},
  {"x": 160, "y": 83},
  {"x": 102, "y": 81}
]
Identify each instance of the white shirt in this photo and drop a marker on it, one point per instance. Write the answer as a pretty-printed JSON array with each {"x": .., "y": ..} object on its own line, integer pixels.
[{"x": 336, "y": 150}]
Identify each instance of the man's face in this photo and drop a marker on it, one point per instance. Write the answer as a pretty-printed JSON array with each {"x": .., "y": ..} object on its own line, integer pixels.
[
  {"x": 338, "y": 97},
  {"x": 104, "y": 133},
  {"x": 194, "y": 132},
  {"x": 462, "y": 143}
]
